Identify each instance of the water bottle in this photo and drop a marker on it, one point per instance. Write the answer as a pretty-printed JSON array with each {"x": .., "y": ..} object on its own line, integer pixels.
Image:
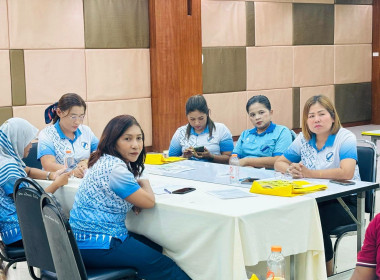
[
  {"x": 69, "y": 160},
  {"x": 276, "y": 264},
  {"x": 234, "y": 169}
]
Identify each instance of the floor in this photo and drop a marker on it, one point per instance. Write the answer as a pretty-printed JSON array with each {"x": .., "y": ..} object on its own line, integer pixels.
[{"x": 347, "y": 248}]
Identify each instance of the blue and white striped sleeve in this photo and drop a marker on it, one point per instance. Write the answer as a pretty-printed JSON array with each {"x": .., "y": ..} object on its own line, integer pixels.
[
  {"x": 45, "y": 145},
  {"x": 122, "y": 181},
  {"x": 94, "y": 142},
  {"x": 293, "y": 153},
  {"x": 348, "y": 147},
  {"x": 226, "y": 143},
  {"x": 175, "y": 149}
]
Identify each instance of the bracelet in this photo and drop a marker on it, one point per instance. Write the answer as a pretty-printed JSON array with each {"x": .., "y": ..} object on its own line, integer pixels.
[{"x": 47, "y": 176}]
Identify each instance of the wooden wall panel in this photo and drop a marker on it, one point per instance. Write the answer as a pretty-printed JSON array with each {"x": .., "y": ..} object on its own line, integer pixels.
[
  {"x": 376, "y": 63},
  {"x": 176, "y": 63}
]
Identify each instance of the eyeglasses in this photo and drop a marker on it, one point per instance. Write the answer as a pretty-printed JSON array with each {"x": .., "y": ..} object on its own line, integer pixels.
[{"x": 75, "y": 118}]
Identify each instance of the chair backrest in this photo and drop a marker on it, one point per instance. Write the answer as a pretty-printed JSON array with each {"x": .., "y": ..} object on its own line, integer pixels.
[
  {"x": 367, "y": 163},
  {"x": 36, "y": 245},
  {"x": 66, "y": 256},
  {"x": 31, "y": 160}
]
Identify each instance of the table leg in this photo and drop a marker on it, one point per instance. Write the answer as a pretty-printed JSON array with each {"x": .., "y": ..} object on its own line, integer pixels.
[
  {"x": 360, "y": 217},
  {"x": 292, "y": 267}
]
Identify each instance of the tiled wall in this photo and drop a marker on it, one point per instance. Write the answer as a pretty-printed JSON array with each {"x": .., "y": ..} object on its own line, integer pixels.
[
  {"x": 289, "y": 51},
  {"x": 96, "y": 48}
]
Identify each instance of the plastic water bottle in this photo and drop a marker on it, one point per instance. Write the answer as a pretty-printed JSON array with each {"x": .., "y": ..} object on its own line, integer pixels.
[
  {"x": 69, "y": 160},
  {"x": 276, "y": 264},
  {"x": 234, "y": 169}
]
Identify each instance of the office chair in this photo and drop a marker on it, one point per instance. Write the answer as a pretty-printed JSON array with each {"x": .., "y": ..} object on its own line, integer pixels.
[
  {"x": 11, "y": 255},
  {"x": 27, "y": 194},
  {"x": 31, "y": 160},
  {"x": 66, "y": 256},
  {"x": 367, "y": 163}
]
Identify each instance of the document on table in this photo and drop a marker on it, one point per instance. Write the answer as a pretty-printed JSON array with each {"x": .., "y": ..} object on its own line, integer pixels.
[
  {"x": 230, "y": 193},
  {"x": 167, "y": 168}
]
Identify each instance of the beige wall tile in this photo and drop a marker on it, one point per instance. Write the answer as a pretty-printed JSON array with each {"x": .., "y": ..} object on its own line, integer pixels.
[
  {"x": 273, "y": 24},
  {"x": 51, "y": 73},
  {"x": 313, "y": 65},
  {"x": 5, "y": 79},
  {"x": 271, "y": 1},
  {"x": 269, "y": 67},
  {"x": 281, "y": 102},
  {"x": 353, "y": 24},
  {"x": 4, "y": 39},
  {"x": 46, "y": 24},
  {"x": 307, "y": 92},
  {"x": 117, "y": 74},
  {"x": 223, "y": 23},
  {"x": 353, "y": 64},
  {"x": 314, "y": 1},
  {"x": 233, "y": 115},
  {"x": 100, "y": 113}
]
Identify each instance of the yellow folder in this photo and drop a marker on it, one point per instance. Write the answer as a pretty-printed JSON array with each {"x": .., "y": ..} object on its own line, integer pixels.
[
  {"x": 285, "y": 188},
  {"x": 158, "y": 159}
]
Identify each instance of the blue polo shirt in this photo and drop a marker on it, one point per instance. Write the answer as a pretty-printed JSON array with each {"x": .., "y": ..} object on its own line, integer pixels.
[
  {"x": 272, "y": 142},
  {"x": 220, "y": 141},
  {"x": 52, "y": 141},
  {"x": 337, "y": 147}
]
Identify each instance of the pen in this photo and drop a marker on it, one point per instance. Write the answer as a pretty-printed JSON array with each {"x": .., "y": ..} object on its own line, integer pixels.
[{"x": 166, "y": 190}]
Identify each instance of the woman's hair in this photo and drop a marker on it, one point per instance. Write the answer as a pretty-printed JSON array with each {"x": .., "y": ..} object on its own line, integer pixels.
[
  {"x": 258, "y": 99},
  {"x": 107, "y": 143},
  {"x": 327, "y": 104},
  {"x": 66, "y": 102},
  {"x": 198, "y": 103}
]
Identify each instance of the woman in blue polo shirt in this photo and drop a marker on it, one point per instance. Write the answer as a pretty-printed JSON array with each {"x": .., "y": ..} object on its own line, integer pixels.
[
  {"x": 16, "y": 135},
  {"x": 66, "y": 135},
  {"x": 324, "y": 150},
  {"x": 201, "y": 131},
  {"x": 262, "y": 145},
  {"x": 111, "y": 188}
]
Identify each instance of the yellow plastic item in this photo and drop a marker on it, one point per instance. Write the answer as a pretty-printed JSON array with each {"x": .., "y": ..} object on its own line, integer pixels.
[
  {"x": 285, "y": 188},
  {"x": 254, "y": 277},
  {"x": 158, "y": 159}
]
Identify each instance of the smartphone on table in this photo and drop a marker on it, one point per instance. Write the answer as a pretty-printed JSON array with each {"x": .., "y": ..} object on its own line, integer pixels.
[
  {"x": 343, "y": 182},
  {"x": 183, "y": 190},
  {"x": 249, "y": 180}
]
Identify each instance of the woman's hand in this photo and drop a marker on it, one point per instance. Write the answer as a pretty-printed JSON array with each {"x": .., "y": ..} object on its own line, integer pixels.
[
  {"x": 297, "y": 170},
  {"x": 79, "y": 171},
  {"x": 188, "y": 153},
  {"x": 206, "y": 154}
]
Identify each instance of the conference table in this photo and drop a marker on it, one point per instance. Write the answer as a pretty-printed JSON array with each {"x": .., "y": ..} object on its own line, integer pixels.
[{"x": 214, "y": 238}]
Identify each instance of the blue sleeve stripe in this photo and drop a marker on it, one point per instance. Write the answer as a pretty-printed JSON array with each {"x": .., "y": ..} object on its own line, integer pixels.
[
  {"x": 44, "y": 153},
  {"x": 94, "y": 144},
  {"x": 277, "y": 154},
  {"x": 348, "y": 150},
  {"x": 226, "y": 145},
  {"x": 292, "y": 156},
  {"x": 175, "y": 148}
]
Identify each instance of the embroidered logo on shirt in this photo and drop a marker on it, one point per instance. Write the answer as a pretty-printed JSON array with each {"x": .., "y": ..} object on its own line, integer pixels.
[
  {"x": 329, "y": 157},
  {"x": 85, "y": 145}
]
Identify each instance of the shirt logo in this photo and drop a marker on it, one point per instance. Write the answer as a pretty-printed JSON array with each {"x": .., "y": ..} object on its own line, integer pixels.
[
  {"x": 85, "y": 145},
  {"x": 329, "y": 157}
]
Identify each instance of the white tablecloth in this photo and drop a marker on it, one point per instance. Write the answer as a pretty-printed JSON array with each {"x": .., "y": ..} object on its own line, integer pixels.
[{"x": 211, "y": 238}]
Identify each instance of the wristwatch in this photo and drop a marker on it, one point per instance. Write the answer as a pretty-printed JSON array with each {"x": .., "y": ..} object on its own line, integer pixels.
[{"x": 47, "y": 176}]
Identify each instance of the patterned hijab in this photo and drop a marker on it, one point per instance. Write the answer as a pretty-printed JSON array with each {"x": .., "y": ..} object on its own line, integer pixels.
[{"x": 15, "y": 135}]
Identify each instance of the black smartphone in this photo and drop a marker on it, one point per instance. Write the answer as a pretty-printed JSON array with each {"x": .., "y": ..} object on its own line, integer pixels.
[
  {"x": 343, "y": 182},
  {"x": 183, "y": 191},
  {"x": 200, "y": 149},
  {"x": 249, "y": 180}
]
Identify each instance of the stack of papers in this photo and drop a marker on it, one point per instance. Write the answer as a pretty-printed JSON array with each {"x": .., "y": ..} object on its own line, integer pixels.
[{"x": 230, "y": 193}]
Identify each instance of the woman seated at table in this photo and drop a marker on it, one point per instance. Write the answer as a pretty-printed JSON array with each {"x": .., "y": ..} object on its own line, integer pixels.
[
  {"x": 262, "y": 145},
  {"x": 112, "y": 187},
  {"x": 67, "y": 134},
  {"x": 323, "y": 150},
  {"x": 201, "y": 138},
  {"x": 15, "y": 142}
]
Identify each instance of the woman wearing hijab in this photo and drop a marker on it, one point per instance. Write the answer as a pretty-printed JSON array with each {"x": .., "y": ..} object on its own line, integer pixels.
[{"x": 15, "y": 142}]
